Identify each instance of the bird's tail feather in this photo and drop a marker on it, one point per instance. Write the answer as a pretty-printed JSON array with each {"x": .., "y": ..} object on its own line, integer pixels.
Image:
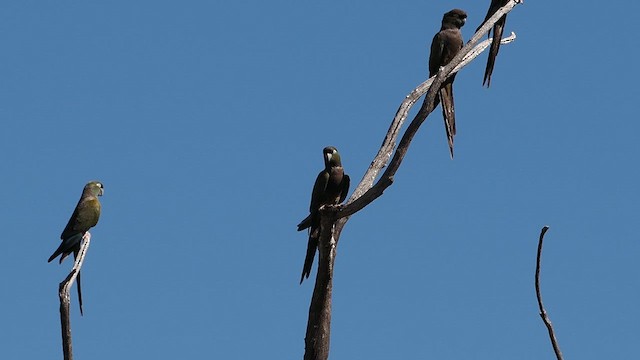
[
  {"x": 498, "y": 29},
  {"x": 80, "y": 294},
  {"x": 79, "y": 284},
  {"x": 311, "y": 253},
  {"x": 448, "y": 113}
]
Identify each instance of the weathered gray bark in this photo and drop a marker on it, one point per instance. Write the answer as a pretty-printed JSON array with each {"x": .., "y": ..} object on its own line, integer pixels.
[
  {"x": 334, "y": 218},
  {"x": 319, "y": 324},
  {"x": 64, "y": 295}
]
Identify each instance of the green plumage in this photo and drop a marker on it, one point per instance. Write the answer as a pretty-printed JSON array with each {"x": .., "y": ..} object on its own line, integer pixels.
[{"x": 84, "y": 217}]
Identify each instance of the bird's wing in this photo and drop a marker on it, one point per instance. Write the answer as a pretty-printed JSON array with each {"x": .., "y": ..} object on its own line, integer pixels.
[
  {"x": 346, "y": 181},
  {"x": 68, "y": 245},
  {"x": 86, "y": 215},
  {"x": 435, "y": 56},
  {"x": 305, "y": 223},
  {"x": 69, "y": 230},
  {"x": 319, "y": 189}
]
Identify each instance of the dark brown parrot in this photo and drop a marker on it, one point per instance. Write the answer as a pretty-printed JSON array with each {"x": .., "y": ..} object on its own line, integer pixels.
[
  {"x": 498, "y": 28},
  {"x": 330, "y": 188},
  {"x": 445, "y": 45},
  {"x": 84, "y": 217}
]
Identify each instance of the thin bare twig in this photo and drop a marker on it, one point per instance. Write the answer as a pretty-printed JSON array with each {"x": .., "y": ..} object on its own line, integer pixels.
[
  {"x": 63, "y": 294},
  {"x": 543, "y": 312}
]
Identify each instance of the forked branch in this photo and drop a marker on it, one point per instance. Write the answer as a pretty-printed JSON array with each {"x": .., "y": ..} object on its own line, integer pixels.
[
  {"x": 366, "y": 191},
  {"x": 64, "y": 295},
  {"x": 334, "y": 218}
]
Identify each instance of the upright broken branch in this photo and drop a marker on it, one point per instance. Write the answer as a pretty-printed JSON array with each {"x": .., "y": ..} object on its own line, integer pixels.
[
  {"x": 543, "y": 312},
  {"x": 319, "y": 323},
  {"x": 334, "y": 218},
  {"x": 64, "y": 295}
]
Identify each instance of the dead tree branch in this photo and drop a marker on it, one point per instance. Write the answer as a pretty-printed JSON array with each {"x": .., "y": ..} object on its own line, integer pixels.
[
  {"x": 469, "y": 52},
  {"x": 319, "y": 323},
  {"x": 63, "y": 294},
  {"x": 333, "y": 218},
  {"x": 367, "y": 192},
  {"x": 543, "y": 312}
]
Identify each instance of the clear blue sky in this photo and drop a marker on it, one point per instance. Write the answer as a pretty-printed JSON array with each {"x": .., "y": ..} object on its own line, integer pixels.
[{"x": 206, "y": 120}]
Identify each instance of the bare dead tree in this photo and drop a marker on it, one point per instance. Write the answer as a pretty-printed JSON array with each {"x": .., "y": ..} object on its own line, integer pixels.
[
  {"x": 65, "y": 297},
  {"x": 334, "y": 218},
  {"x": 543, "y": 312}
]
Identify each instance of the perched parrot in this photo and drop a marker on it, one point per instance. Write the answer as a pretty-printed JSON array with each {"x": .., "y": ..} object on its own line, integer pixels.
[
  {"x": 498, "y": 28},
  {"x": 444, "y": 47},
  {"x": 330, "y": 188},
  {"x": 85, "y": 216}
]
